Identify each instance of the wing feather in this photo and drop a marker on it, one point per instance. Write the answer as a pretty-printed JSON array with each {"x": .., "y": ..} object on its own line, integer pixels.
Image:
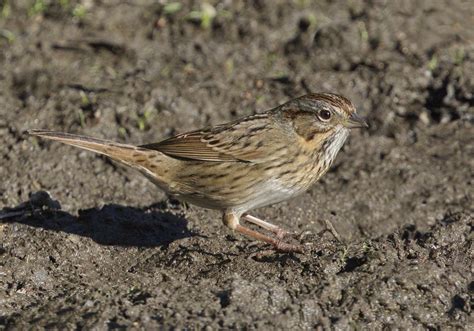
[{"x": 240, "y": 141}]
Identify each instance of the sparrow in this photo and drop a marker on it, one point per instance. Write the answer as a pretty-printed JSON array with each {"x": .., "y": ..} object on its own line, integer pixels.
[{"x": 242, "y": 165}]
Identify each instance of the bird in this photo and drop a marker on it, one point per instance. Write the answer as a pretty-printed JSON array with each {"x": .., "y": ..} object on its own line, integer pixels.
[{"x": 248, "y": 163}]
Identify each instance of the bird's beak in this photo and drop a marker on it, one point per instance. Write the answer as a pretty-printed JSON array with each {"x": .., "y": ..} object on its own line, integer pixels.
[{"x": 355, "y": 121}]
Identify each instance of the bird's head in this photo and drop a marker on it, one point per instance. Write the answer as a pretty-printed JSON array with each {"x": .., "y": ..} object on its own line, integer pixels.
[
  {"x": 315, "y": 113},
  {"x": 323, "y": 120}
]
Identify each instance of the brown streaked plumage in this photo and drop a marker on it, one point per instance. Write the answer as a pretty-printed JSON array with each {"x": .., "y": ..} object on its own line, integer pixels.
[{"x": 242, "y": 165}]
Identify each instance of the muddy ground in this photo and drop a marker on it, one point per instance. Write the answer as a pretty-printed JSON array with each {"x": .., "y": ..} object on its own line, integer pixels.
[{"x": 109, "y": 250}]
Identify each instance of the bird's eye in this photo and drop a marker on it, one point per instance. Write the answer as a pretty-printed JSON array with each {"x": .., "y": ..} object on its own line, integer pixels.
[{"x": 324, "y": 115}]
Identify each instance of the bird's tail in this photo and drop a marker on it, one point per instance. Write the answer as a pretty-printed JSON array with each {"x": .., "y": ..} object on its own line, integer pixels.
[{"x": 130, "y": 155}]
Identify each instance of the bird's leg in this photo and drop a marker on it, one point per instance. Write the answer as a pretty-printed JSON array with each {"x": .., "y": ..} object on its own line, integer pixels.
[
  {"x": 232, "y": 221},
  {"x": 279, "y": 232}
]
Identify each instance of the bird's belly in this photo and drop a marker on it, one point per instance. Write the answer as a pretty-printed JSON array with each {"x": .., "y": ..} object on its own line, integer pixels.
[
  {"x": 236, "y": 186},
  {"x": 270, "y": 192},
  {"x": 266, "y": 193}
]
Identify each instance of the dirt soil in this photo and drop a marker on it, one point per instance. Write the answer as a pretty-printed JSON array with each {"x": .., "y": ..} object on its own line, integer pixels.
[{"x": 107, "y": 249}]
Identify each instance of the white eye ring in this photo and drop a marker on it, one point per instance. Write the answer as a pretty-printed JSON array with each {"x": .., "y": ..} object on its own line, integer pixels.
[{"x": 324, "y": 115}]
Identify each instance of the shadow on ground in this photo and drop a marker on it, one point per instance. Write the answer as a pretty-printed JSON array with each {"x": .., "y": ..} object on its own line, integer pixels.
[{"x": 110, "y": 225}]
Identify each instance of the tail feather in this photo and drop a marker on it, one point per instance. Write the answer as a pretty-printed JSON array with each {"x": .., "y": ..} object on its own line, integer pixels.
[{"x": 120, "y": 152}]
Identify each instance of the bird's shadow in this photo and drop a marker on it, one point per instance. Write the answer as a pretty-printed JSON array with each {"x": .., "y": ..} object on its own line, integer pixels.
[{"x": 110, "y": 225}]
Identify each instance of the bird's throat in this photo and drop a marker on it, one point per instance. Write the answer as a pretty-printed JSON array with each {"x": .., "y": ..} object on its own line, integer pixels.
[{"x": 332, "y": 144}]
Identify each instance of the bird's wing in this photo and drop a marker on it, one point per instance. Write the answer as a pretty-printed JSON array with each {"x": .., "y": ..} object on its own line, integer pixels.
[{"x": 245, "y": 140}]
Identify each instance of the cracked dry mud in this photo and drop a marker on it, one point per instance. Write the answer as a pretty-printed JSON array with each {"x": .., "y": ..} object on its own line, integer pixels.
[{"x": 112, "y": 251}]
